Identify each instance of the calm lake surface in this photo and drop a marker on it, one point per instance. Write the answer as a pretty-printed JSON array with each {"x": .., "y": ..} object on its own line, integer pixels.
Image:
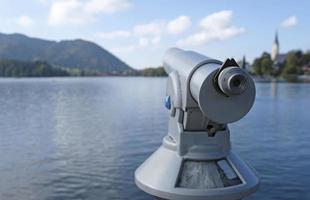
[{"x": 82, "y": 138}]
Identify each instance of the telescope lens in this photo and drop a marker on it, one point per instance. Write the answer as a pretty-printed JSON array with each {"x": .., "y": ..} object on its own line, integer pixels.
[
  {"x": 236, "y": 82},
  {"x": 233, "y": 81}
]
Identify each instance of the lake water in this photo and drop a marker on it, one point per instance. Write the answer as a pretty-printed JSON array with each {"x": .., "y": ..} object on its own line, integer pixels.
[{"x": 82, "y": 138}]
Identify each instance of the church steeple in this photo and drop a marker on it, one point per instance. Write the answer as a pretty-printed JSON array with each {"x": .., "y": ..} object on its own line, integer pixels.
[
  {"x": 275, "y": 48},
  {"x": 276, "y": 41},
  {"x": 243, "y": 66}
]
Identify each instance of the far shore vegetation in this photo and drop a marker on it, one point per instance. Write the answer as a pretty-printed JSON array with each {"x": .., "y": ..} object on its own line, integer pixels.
[
  {"x": 17, "y": 68},
  {"x": 295, "y": 65},
  {"x": 14, "y": 68}
]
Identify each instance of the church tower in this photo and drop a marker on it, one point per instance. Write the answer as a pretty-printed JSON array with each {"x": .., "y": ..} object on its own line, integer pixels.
[{"x": 275, "y": 48}]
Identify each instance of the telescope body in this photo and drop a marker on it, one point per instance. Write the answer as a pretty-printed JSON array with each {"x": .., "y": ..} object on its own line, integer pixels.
[
  {"x": 195, "y": 160},
  {"x": 197, "y": 86}
]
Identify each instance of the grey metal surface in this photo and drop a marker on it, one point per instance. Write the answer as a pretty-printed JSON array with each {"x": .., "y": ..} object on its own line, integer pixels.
[
  {"x": 200, "y": 174},
  {"x": 233, "y": 81},
  {"x": 185, "y": 63},
  {"x": 229, "y": 172},
  {"x": 159, "y": 174},
  {"x": 216, "y": 106},
  {"x": 195, "y": 161}
]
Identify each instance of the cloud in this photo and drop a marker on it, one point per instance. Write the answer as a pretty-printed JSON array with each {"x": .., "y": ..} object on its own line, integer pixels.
[
  {"x": 214, "y": 27},
  {"x": 68, "y": 12},
  {"x": 44, "y": 2},
  {"x": 79, "y": 12},
  {"x": 290, "y": 22},
  {"x": 157, "y": 28},
  {"x": 154, "y": 28},
  {"x": 143, "y": 42},
  {"x": 156, "y": 40},
  {"x": 25, "y": 21},
  {"x": 178, "y": 25},
  {"x": 148, "y": 34},
  {"x": 106, "y": 6},
  {"x": 217, "y": 20},
  {"x": 114, "y": 34},
  {"x": 204, "y": 37},
  {"x": 124, "y": 49}
]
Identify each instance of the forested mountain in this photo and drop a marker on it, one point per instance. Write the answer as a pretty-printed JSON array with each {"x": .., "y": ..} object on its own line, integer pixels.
[
  {"x": 14, "y": 68},
  {"x": 78, "y": 53}
]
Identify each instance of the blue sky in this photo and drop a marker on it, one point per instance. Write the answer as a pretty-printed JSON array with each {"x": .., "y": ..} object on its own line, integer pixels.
[{"x": 139, "y": 32}]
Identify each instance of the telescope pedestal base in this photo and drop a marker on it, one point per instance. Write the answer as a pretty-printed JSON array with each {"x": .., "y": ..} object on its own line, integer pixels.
[{"x": 166, "y": 175}]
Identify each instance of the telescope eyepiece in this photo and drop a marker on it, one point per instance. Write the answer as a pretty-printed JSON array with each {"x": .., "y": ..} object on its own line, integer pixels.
[
  {"x": 222, "y": 91},
  {"x": 233, "y": 81}
]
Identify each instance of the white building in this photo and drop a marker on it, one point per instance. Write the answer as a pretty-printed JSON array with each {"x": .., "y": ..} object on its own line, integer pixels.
[{"x": 277, "y": 58}]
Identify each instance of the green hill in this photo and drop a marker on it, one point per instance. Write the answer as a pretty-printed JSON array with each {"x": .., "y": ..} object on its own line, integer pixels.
[
  {"x": 76, "y": 54},
  {"x": 13, "y": 68}
]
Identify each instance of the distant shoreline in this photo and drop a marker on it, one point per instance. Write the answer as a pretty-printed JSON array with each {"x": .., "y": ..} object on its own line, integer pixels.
[
  {"x": 302, "y": 79},
  {"x": 295, "y": 79}
]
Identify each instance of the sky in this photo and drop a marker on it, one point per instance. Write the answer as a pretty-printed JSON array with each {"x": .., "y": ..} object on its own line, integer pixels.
[{"x": 140, "y": 31}]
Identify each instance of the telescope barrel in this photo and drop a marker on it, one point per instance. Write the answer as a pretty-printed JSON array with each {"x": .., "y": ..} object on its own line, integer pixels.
[
  {"x": 195, "y": 160},
  {"x": 184, "y": 62},
  {"x": 232, "y": 91},
  {"x": 233, "y": 81}
]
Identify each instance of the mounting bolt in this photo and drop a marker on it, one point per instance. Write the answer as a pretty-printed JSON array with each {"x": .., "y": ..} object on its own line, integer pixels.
[{"x": 168, "y": 102}]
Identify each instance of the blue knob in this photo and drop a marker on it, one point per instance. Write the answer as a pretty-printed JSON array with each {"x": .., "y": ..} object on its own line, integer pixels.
[{"x": 168, "y": 102}]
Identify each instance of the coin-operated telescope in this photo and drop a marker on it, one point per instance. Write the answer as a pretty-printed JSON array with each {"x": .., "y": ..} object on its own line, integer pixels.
[{"x": 195, "y": 161}]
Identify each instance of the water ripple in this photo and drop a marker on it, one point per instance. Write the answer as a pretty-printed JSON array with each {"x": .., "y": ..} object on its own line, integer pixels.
[{"x": 64, "y": 138}]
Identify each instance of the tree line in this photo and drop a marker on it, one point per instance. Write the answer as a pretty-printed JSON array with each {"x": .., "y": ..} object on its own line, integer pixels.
[
  {"x": 158, "y": 71},
  {"x": 296, "y": 63},
  {"x": 15, "y": 68}
]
